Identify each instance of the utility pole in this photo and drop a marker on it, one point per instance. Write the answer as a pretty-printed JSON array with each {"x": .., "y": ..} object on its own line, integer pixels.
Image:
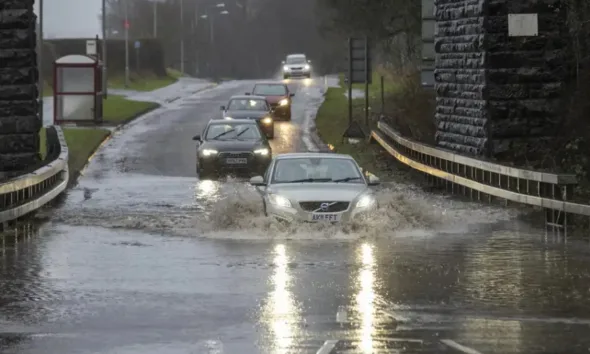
[
  {"x": 40, "y": 62},
  {"x": 104, "y": 49},
  {"x": 182, "y": 37},
  {"x": 155, "y": 19},
  {"x": 126, "y": 10}
]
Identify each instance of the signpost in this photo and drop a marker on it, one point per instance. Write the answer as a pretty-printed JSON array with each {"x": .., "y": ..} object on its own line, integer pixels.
[
  {"x": 359, "y": 72},
  {"x": 91, "y": 47},
  {"x": 137, "y": 45}
]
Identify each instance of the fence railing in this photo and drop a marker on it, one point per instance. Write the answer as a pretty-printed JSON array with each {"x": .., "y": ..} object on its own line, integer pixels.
[
  {"x": 484, "y": 180},
  {"x": 24, "y": 194}
]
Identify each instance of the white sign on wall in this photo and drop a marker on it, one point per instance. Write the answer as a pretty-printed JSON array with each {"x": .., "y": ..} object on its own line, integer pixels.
[
  {"x": 523, "y": 25},
  {"x": 91, "y": 47}
]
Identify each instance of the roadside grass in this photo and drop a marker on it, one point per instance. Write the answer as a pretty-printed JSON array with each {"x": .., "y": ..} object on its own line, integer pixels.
[
  {"x": 145, "y": 82},
  {"x": 82, "y": 143},
  {"x": 118, "y": 109},
  {"x": 332, "y": 122}
]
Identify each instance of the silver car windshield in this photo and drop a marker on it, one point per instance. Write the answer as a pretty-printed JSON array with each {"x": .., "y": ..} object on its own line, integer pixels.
[
  {"x": 247, "y": 105},
  {"x": 233, "y": 132},
  {"x": 295, "y": 60},
  {"x": 316, "y": 170}
]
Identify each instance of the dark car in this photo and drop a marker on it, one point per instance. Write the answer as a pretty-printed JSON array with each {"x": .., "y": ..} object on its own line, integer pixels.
[
  {"x": 232, "y": 146},
  {"x": 251, "y": 107},
  {"x": 278, "y": 96}
]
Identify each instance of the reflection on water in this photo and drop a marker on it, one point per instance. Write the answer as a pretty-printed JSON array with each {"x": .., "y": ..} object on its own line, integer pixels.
[
  {"x": 366, "y": 297},
  {"x": 281, "y": 312}
]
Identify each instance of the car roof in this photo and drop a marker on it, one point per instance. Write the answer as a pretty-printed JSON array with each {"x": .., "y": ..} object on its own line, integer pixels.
[
  {"x": 247, "y": 97},
  {"x": 295, "y": 155},
  {"x": 227, "y": 121},
  {"x": 295, "y": 55}
]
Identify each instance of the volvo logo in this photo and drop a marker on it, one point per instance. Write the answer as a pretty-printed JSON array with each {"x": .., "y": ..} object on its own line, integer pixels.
[{"x": 324, "y": 206}]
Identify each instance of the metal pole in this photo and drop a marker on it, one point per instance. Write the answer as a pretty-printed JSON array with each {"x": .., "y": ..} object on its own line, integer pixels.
[
  {"x": 367, "y": 81},
  {"x": 126, "y": 10},
  {"x": 382, "y": 94},
  {"x": 41, "y": 82},
  {"x": 349, "y": 81},
  {"x": 104, "y": 50},
  {"x": 181, "y": 37},
  {"x": 211, "y": 49},
  {"x": 155, "y": 19}
]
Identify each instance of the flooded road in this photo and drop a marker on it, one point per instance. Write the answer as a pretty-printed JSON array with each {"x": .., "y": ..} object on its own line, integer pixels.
[{"x": 142, "y": 257}]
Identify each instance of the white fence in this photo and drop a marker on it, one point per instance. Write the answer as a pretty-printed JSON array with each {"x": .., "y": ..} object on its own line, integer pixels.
[
  {"x": 483, "y": 180},
  {"x": 25, "y": 194}
]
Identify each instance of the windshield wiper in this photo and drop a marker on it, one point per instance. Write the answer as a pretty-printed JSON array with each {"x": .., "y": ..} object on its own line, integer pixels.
[
  {"x": 347, "y": 179},
  {"x": 310, "y": 180},
  {"x": 242, "y": 132},
  {"x": 222, "y": 134}
]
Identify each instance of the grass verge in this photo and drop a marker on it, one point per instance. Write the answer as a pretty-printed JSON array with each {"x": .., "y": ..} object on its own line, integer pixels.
[
  {"x": 119, "y": 110},
  {"x": 138, "y": 82},
  {"x": 82, "y": 143},
  {"x": 331, "y": 123}
]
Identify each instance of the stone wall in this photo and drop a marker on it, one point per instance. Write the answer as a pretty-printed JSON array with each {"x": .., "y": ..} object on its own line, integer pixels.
[
  {"x": 497, "y": 93},
  {"x": 19, "y": 112}
]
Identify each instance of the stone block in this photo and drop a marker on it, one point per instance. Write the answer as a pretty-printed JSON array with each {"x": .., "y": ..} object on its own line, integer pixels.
[{"x": 19, "y": 143}]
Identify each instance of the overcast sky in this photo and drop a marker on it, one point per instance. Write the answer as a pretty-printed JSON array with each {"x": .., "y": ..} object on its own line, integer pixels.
[{"x": 70, "y": 18}]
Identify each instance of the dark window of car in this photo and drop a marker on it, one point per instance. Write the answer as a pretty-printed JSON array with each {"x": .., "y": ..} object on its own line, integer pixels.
[
  {"x": 233, "y": 131},
  {"x": 270, "y": 90},
  {"x": 296, "y": 60},
  {"x": 322, "y": 169},
  {"x": 247, "y": 105},
  {"x": 266, "y": 176}
]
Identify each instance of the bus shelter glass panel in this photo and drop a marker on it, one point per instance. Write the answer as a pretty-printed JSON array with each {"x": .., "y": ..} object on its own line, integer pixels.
[{"x": 75, "y": 80}]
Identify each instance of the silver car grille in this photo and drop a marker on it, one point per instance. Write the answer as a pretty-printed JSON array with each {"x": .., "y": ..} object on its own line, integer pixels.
[
  {"x": 324, "y": 206},
  {"x": 297, "y": 68}
]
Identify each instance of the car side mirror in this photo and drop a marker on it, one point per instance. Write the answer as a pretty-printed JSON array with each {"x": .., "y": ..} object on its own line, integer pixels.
[
  {"x": 223, "y": 108},
  {"x": 257, "y": 181},
  {"x": 283, "y": 62},
  {"x": 197, "y": 138},
  {"x": 291, "y": 95},
  {"x": 374, "y": 180}
]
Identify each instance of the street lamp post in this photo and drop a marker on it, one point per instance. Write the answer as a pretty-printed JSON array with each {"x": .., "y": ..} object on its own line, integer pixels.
[
  {"x": 104, "y": 49},
  {"x": 182, "y": 37},
  {"x": 155, "y": 19},
  {"x": 41, "y": 81},
  {"x": 126, "y": 11}
]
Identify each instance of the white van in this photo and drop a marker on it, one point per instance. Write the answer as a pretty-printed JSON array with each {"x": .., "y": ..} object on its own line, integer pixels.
[{"x": 296, "y": 65}]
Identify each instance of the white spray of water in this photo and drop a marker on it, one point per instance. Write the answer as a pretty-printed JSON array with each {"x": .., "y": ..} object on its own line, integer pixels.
[{"x": 233, "y": 210}]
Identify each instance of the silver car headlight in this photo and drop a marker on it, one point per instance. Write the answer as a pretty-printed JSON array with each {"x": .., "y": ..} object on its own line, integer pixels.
[
  {"x": 209, "y": 152},
  {"x": 279, "y": 200},
  {"x": 263, "y": 152},
  {"x": 307, "y": 67},
  {"x": 285, "y": 68},
  {"x": 284, "y": 102},
  {"x": 365, "y": 201}
]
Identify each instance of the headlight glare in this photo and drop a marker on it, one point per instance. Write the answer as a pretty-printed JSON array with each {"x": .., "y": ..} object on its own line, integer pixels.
[
  {"x": 285, "y": 68},
  {"x": 266, "y": 120},
  {"x": 307, "y": 67},
  {"x": 284, "y": 102},
  {"x": 262, "y": 152},
  {"x": 279, "y": 200},
  {"x": 365, "y": 201},
  {"x": 209, "y": 152}
]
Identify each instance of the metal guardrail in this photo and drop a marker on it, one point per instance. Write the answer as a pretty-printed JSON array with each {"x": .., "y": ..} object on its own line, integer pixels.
[
  {"x": 485, "y": 180},
  {"x": 25, "y": 194}
]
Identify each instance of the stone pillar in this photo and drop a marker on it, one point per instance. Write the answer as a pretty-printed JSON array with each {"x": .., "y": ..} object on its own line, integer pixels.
[
  {"x": 19, "y": 112},
  {"x": 497, "y": 93}
]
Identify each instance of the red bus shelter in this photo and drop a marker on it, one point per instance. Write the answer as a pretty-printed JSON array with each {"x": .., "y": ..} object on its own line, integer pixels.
[{"x": 78, "y": 92}]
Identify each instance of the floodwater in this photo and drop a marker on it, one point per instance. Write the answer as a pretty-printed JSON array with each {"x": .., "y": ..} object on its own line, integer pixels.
[{"x": 141, "y": 257}]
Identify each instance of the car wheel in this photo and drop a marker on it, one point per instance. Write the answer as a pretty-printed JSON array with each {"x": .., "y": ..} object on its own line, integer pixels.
[
  {"x": 205, "y": 175},
  {"x": 271, "y": 134},
  {"x": 285, "y": 77},
  {"x": 309, "y": 76}
]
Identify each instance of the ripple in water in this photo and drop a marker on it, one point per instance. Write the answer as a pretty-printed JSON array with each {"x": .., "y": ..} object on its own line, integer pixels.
[{"x": 233, "y": 210}]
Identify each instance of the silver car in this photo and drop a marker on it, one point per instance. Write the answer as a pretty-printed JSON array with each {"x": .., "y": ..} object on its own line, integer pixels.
[
  {"x": 314, "y": 187},
  {"x": 296, "y": 65}
]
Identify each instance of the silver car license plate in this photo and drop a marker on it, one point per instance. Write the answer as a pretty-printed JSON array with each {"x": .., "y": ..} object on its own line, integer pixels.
[
  {"x": 236, "y": 161},
  {"x": 325, "y": 217}
]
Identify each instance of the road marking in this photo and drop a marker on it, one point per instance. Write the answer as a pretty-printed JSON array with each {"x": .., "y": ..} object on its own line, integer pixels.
[
  {"x": 327, "y": 347},
  {"x": 309, "y": 145},
  {"x": 462, "y": 348}
]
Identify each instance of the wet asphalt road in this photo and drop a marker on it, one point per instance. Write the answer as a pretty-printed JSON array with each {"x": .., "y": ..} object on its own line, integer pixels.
[{"x": 143, "y": 258}]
